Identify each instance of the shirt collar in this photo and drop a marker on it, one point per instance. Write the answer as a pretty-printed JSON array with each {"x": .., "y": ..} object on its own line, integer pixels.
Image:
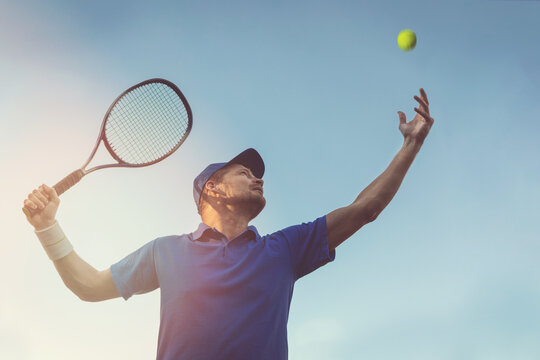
[{"x": 205, "y": 230}]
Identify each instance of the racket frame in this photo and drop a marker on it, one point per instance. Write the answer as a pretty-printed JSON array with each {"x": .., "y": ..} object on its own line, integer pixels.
[{"x": 103, "y": 136}]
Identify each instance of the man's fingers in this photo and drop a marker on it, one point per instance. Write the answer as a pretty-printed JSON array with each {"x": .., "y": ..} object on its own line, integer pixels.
[
  {"x": 29, "y": 204},
  {"x": 50, "y": 191},
  {"x": 424, "y": 115},
  {"x": 26, "y": 212},
  {"x": 423, "y": 103},
  {"x": 44, "y": 191},
  {"x": 402, "y": 117},
  {"x": 424, "y": 96},
  {"x": 36, "y": 200},
  {"x": 44, "y": 198}
]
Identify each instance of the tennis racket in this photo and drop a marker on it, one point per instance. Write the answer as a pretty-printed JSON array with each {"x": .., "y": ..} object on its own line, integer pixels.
[{"x": 144, "y": 125}]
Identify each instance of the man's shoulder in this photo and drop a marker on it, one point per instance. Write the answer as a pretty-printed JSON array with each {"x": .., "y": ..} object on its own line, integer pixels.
[
  {"x": 299, "y": 225},
  {"x": 170, "y": 239}
]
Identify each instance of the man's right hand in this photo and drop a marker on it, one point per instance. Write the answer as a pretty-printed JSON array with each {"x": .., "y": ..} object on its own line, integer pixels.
[{"x": 43, "y": 203}]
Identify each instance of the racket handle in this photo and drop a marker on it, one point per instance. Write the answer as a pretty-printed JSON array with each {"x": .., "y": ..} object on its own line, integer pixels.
[
  {"x": 61, "y": 187},
  {"x": 68, "y": 181}
]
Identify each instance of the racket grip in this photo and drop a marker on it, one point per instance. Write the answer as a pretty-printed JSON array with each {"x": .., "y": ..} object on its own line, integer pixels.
[
  {"x": 61, "y": 187},
  {"x": 68, "y": 181}
]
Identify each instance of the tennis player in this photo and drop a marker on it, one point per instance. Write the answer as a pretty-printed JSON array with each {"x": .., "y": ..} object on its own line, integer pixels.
[{"x": 225, "y": 289}]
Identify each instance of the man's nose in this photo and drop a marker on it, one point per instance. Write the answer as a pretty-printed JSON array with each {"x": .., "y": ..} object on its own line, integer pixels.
[{"x": 259, "y": 181}]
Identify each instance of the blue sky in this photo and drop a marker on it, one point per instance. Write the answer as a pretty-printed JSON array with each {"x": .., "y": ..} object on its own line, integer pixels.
[{"x": 448, "y": 270}]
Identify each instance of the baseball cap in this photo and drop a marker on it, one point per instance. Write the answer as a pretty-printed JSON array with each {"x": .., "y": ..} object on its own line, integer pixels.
[{"x": 250, "y": 158}]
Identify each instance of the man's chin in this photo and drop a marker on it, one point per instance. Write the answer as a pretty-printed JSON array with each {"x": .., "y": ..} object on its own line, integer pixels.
[
  {"x": 252, "y": 206},
  {"x": 255, "y": 206}
]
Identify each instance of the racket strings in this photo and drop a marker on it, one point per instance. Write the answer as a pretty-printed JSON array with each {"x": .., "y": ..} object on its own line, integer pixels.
[
  {"x": 150, "y": 102},
  {"x": 146, "y": 124},
  {"x": 123, "y": 122}
]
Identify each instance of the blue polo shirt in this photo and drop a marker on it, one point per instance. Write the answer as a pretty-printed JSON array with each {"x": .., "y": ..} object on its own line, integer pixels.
[{"x": 224, "y": 299}]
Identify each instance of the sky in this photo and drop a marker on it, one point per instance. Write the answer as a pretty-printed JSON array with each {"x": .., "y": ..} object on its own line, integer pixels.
[{"x": 449, "y": 270}]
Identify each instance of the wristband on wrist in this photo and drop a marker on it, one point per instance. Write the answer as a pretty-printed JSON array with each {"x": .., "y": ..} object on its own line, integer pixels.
[{"x": 54, "y": 241}]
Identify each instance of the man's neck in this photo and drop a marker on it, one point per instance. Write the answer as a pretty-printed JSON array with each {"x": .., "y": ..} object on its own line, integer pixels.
[{"x": 231, "y": 225}]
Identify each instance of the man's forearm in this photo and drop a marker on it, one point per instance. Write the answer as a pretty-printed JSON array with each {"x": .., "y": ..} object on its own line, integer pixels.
[
  {"x": 382, "y": 190},
  {"x": 76, "y": 274}
]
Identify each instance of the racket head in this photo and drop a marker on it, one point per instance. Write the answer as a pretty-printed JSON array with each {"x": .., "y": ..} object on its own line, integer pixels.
[{"x": 146, "y": 123}]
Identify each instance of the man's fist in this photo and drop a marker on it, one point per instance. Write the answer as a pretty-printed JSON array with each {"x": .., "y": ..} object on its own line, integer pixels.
[{"x": 40, "y": 207}]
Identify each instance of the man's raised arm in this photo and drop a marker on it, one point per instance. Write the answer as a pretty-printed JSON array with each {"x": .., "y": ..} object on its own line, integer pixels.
[
  {"x": 81, "y": 278},
  {"x": 344, "y": 222}
]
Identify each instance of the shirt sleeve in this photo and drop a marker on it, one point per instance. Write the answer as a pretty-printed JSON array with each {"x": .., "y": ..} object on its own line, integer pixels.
[
  {"x": 136, "y": 273},
  {"x": 308, "y": 246}
]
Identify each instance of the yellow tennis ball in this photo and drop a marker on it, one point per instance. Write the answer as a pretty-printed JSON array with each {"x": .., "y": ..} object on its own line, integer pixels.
[{"x": 406, "y": 39}]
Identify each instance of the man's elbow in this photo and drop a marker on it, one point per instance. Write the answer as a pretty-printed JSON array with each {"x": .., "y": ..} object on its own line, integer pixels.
[
  {"x": 90, "y": 296},
  {"x": 372, "y": 211},
  {"x": 83, "y": 295},
  {"x": 86, "y": 293},
  {"x": 372, "y": 217}
]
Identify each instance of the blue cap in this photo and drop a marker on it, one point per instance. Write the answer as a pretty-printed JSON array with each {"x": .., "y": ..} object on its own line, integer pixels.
[{"x": 250, "y": 158}]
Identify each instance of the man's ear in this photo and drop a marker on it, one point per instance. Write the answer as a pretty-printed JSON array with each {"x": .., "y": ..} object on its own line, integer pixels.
[{"x": 211, "y": 187}]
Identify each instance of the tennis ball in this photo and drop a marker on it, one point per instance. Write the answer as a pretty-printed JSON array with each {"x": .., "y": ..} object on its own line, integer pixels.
[{"x": 406, "y": 39}]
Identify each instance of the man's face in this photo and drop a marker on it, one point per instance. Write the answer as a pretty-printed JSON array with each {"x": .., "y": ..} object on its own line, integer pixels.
[{"x": 240, "y": 189}]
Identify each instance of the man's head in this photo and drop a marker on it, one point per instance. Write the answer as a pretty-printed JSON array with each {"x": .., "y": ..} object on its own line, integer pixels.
[{"x": 233, "y": 186}]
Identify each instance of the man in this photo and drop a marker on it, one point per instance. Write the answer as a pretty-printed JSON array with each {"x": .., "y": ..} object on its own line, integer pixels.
[{"x": 226, "y": 290}]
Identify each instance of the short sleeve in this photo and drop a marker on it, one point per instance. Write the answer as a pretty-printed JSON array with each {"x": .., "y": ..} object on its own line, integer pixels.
[
  {"x": 136, "y": 273},
  {"x": 308, "y": 245}
]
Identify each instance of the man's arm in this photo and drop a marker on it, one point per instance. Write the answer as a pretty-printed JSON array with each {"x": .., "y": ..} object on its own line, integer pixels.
[
  {"x": 82, "y": 279},
  {"x": 344, "y": 222}
]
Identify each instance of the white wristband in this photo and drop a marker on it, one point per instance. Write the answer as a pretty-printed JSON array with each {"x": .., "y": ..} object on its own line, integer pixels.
[{"x": 54, "y": 241}]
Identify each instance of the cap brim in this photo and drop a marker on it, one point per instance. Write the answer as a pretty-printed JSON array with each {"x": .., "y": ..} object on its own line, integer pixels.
[{"x": 251, "y": 159}]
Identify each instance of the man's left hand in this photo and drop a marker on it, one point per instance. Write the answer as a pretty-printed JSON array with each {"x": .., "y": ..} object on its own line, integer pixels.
[{"x": 417, "y": 129}]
